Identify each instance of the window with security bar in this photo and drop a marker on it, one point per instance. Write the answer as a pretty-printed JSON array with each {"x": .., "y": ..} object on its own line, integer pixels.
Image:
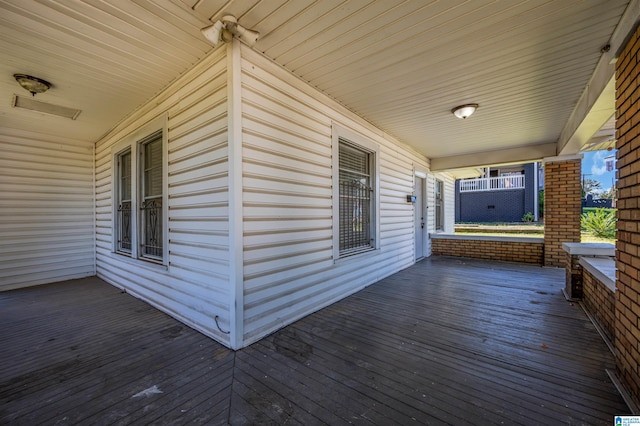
[
  {"x": 439, "y": 205},
  {"x": 355, "y": 198},
  {"x": 139, "y": 225},
  {"x": 123, "y": 203},
  {"x": 151, "y": 197}
]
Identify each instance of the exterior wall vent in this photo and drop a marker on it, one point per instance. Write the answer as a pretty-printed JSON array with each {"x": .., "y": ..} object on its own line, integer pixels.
[{"x": 33, "y": 105}]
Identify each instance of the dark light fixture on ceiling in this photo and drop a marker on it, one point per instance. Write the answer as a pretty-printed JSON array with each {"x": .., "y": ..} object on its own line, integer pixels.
[
  {"x": 32, "y": 84},
  {"x": 464, "y": 111},
  {"x": 226, "y": 28}
]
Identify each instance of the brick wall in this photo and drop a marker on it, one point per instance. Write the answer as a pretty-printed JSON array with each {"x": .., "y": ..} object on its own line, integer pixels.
[
  {"x": 627, "y": 333},
  {"x": 510, "y": 251},
  {"x": 600, "y": 302},
  {"x": 562, "y": 207}
]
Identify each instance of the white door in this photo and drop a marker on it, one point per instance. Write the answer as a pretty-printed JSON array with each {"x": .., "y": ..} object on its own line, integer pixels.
[{"x": 419, "y": 217}]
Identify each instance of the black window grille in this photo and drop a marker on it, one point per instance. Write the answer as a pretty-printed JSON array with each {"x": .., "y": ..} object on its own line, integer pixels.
[
  {"x": 356, "y": 196},
  {"x": 124, "y": 227},
  {"x": 152, "y": 218}
]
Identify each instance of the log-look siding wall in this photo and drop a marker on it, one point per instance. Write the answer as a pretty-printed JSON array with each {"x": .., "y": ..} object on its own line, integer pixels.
[
  {"x": 194, "y": 285},
  {"x": 46, "y": 214},
  {"x": 289, "y": 269}
]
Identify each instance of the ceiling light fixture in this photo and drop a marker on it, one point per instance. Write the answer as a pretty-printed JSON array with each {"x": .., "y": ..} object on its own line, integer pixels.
[
  {"x": 464, "y": 111},
  {"x": 32, "y": 84},
  {"x": 226, "y": 28}
]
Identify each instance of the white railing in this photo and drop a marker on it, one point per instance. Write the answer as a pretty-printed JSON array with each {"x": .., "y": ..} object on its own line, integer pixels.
[{"x": 492, "y": 184}]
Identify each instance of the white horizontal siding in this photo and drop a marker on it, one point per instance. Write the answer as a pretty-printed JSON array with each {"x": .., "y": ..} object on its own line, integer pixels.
[
  {"x": 46, "y": 209},
  {"x": 193, "y": 287},
  {"x": 289, "y": 269}
]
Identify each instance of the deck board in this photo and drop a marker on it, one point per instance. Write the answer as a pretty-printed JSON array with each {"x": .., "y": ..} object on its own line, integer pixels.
[{"x": 447, "y": 341}]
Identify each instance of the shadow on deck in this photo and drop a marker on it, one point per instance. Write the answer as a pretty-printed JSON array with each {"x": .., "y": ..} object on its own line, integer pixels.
[{"x": 447, "y": 341}]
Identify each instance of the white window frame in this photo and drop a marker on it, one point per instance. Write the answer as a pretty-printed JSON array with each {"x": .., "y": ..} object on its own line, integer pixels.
[
  {"x": 133, "y": 143},
  {"x": 360, "y": 142}
]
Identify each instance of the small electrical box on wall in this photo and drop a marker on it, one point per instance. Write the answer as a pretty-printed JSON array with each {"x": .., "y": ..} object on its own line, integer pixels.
[{"x": 411, "y": 198}]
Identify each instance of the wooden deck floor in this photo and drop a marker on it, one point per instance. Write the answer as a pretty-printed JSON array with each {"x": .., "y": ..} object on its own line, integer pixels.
[{"x": 448, "y": 341}]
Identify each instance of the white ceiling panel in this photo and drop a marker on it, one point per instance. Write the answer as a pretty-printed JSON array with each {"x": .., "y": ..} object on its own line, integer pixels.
[{"x": 401, "y": 64}]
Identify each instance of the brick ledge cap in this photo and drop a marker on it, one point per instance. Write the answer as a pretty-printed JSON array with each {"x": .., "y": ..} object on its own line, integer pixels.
[{"x": 589, "y": 249}]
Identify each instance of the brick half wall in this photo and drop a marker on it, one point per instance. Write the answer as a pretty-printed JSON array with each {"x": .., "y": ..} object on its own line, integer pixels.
[
  {"x": 509, "y": 249},
  {"x": 600, "y": 301}
]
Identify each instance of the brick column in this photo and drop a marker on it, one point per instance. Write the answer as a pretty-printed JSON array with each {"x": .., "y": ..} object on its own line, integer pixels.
[
  {"x": 573, "y": 279},
  {"x": 627, "y": 310},
  {"x": 562, "y": 206}
]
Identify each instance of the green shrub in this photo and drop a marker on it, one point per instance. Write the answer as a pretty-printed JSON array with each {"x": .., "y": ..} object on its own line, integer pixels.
[
  {"x": 600, "y": 223},
  {"x": 528, "y": 217}
]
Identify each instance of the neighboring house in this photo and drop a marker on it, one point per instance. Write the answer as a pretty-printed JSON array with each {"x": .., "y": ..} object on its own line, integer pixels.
[
  {"x": 589, "y": 201},
  {"x": 501, "y": 194}
]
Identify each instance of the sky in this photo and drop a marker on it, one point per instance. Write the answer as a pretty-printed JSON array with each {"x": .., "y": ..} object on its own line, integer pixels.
[{"x": 593, "y": 167}]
